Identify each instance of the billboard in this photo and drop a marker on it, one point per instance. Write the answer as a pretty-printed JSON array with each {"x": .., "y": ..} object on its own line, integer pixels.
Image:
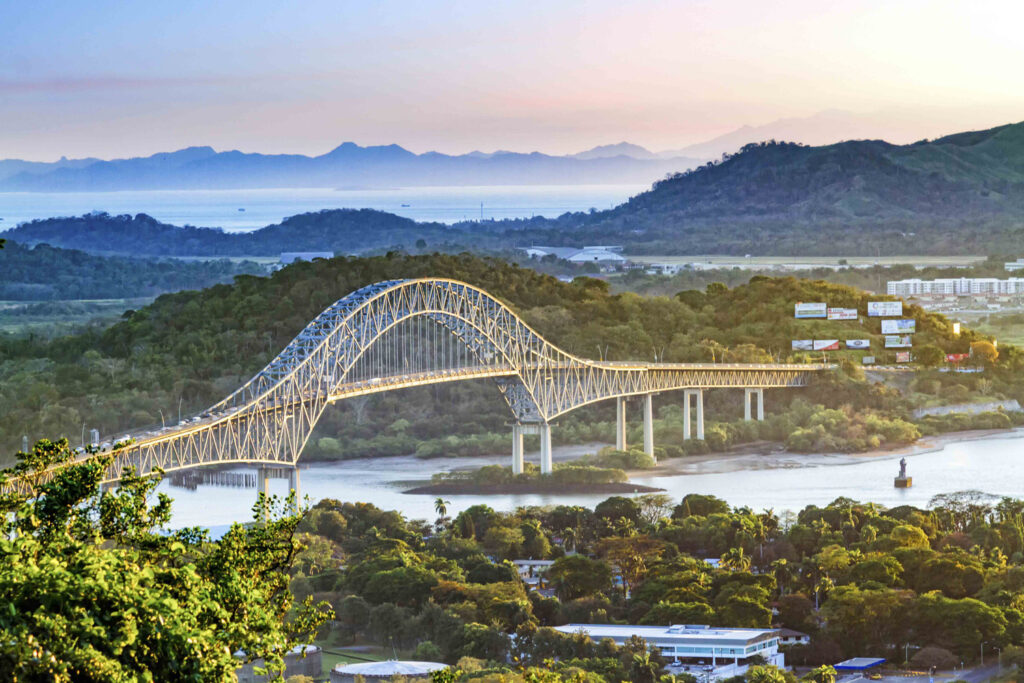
[
  {"x": 803, "y": 345},
  {"x": 899, "y": 326},
  {"x": 903, "y": 356},
  {"x": 810, "y": 311},
  {"x": 842, "y": 314},
  {"x": 868, "y": 360},
  {"x": 896, "y": 342},
  {"x": 858, "y": 343},
  {"x": 957, "y": 357},
  {"x": 826, "y": 344},
  {"x": 885, "y": 309}
]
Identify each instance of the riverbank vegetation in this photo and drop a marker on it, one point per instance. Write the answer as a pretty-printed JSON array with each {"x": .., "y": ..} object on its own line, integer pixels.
[
  {"x": 95, "y": 588},
  {"x": 573, "y": 477}
]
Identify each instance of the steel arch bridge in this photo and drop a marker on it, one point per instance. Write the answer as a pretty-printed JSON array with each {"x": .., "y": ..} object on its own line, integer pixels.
[{"x": 407, "y": 333}]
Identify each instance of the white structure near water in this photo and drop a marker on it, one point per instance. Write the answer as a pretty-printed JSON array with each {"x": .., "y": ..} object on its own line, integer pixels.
[
  {"x": 727, "y": 651},
  {"x": 593, "y": 254}
]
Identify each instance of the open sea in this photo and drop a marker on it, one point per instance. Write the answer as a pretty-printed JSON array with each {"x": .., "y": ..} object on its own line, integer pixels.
[{"x": 242, "y": 210}]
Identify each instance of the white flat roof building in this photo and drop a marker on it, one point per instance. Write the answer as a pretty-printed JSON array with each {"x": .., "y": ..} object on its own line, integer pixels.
[
  {"x": 593, "y": 254},
  {"x": 956, "y": 286},
  {"x": 725, "y": 649}
]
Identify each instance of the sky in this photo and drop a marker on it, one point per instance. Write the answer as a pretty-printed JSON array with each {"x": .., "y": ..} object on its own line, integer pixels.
[{"x": 114, "y": 79}]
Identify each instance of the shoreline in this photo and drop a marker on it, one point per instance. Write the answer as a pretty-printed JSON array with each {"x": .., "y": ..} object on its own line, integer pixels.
[
  {"x": 454, "y": 489},
  {"x": 770, "y": 455}
]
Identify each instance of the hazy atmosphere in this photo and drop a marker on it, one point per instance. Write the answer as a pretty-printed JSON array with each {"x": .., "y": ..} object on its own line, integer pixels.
[{"x": 118, "y": 79}]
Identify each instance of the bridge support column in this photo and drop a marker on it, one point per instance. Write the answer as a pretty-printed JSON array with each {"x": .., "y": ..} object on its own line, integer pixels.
[
  {"x": 689, "y": 393},
  {"x": 294, "y": 487},
  {"x": 545, "y": 448},
  {"x": 649, "y": 425},
  {"x": 620, "y": 424},
  {"x": 748, "y": 394},
  {"x": 263, "y": 486},
  {"x": 517, "y": 449}
]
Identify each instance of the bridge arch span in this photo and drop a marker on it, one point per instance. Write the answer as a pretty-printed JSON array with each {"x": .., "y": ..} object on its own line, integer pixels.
[{"x": 345, "y": 352}]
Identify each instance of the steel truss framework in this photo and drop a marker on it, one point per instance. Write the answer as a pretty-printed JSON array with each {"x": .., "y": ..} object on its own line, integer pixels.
[{"x": 405, "y": 333}]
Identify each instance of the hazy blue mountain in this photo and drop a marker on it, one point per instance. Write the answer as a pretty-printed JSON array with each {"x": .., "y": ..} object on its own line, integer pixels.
[
  {"x": 621, "y": 149},
  {"x": 346, "y": 165},
  {"x": 12, "y": 167}
]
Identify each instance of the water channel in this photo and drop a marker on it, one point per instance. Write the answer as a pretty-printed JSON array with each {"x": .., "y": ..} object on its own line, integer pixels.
[{"x": 781, "y": 481}]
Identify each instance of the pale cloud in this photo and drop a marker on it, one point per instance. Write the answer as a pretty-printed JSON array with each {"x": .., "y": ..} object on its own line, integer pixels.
[{"x": 115, "y": 79}]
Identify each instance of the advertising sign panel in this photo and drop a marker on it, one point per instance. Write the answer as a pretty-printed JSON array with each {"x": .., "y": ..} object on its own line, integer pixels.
[
  {"x": 868, "y": 360},
  {"x": 957, "y": 357},
  {"x": 810, "y": 311},
  {"x": 842, "y": 314},
  {"x": 898, "y": 342},
  {"x": 885, "y": 309},
  {"x": 858, "y": 343},
  {"x": 803, "y": 345},
  {"x": 903, "y": 356},
  {"x": 826, "y": 344},
  {"x": 899, "y": 326}
]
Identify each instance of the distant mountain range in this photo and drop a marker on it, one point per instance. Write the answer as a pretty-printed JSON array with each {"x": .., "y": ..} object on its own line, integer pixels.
[
  {"x": 348, "y": 165},
  {"x": 960, "y": 194}
]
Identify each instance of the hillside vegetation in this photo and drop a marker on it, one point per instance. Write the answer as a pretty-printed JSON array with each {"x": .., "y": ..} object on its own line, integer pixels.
[
  {"x": 192, "y": 348},
  {"x": 45, "y": 273},
  {"x": 961, "y": 194}
]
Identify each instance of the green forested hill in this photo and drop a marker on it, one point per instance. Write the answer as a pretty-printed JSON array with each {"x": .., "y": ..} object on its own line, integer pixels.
[
  {"x": 962, "y": 194},
  {"x": 197, "y": 346},
  {"x": 46, "y": 273}
]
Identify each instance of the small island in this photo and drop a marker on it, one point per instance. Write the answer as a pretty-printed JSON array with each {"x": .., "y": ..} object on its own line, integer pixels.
[{"x": 600, "y": 473}]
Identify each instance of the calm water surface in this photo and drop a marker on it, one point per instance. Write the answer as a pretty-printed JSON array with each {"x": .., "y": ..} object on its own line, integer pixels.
[
  {"x": 220, "y": 208},
  {"x": 781, "y": 482}
]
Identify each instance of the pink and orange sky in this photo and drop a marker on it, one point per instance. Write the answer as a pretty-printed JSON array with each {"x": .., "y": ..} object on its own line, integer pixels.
[{"x": 112, "y": 79}]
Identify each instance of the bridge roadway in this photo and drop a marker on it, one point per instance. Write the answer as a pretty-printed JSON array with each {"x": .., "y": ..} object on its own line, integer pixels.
[{"x": 408, "y": 333}]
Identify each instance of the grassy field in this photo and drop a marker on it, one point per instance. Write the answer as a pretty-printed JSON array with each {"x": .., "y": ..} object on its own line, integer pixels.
[
  {"x": 58, "y": 317},
  {"x": 812, "y": 261}
]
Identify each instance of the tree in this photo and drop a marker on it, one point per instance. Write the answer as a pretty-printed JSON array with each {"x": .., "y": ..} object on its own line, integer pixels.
[
  {"x": 441, "y": 506},
  {"x": 575, "y": 576},
  {"x": 985, "y": 351},
  {"x": 822, "y": 674},
  {"x": 929, "y": 355},
  {"x": 933, "y": 657},
  {"x": 88, "y": 580}
]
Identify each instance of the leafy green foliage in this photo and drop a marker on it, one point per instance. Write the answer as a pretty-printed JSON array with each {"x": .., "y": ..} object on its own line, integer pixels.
[{"x": 95, "y": 590}]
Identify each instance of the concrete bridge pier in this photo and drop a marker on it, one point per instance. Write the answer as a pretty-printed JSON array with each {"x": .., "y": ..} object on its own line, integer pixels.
[
  {"x": 294, "y": 487},
  {"x": 687, "y": 395},
  {"x": 620, "y": 423},
  {"x": 263, "y": 486},
  {"x": 545, "y": 448},
  {"x": 517, "y": 449},
  {"x": 747, "y": 395},
  {"x": 542, "y": 429},
  {"x": 649, "y": 425}
]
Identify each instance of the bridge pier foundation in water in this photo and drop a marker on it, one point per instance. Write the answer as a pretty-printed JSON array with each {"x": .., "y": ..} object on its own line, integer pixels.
[{"x": 543, "y": 429}]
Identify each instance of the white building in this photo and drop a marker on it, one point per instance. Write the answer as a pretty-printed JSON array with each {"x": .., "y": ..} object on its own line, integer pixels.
[
  {"x": 593, "y": 254},
  {"x": 956, "y": 286},
  {"x": 666, "y": 268},
  {"x": 1014, "y": 265},
  {"x": 293, "y": 256},
  {"x": 726, "y": 651}
]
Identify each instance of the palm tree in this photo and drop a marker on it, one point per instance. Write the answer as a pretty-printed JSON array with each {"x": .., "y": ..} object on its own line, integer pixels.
[
  {"x": 823, "y": 674},
  {"x": 441, "y": 506},
  {"x": 571, "y": 537},
  {"x": 736, "y": 558},
  {"x": 644, "y": 669}
]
